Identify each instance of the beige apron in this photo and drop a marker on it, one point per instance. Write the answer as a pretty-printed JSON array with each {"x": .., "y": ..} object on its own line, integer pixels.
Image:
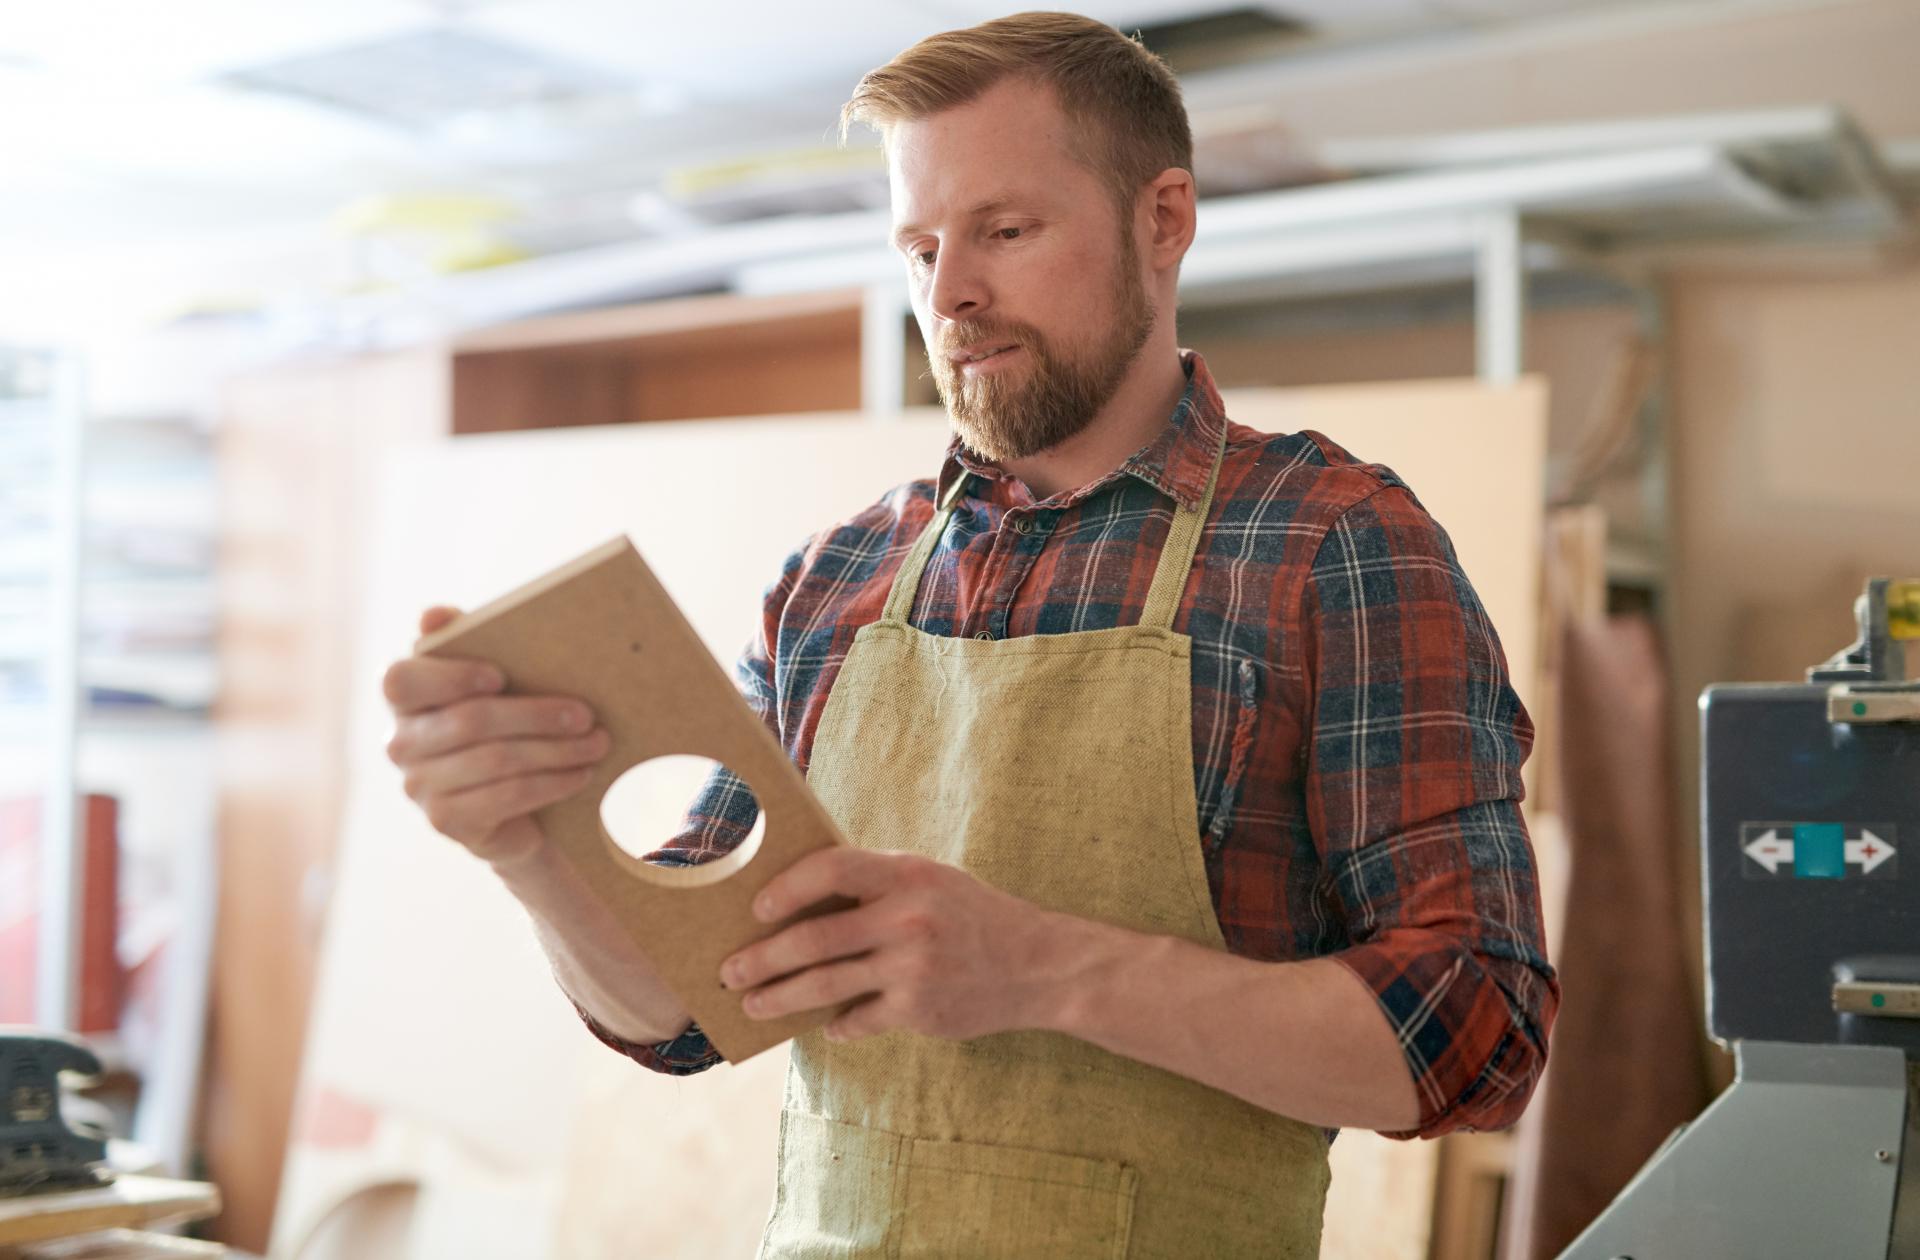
[{"x": 1058, "y": 768}]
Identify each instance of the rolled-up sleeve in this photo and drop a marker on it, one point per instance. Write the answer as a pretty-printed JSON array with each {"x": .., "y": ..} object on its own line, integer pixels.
[
  {"x": 1413, "y": 790},
  {"x": 720, "y": 817}
]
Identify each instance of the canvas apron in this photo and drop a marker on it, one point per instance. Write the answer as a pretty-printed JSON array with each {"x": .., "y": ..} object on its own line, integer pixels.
[{"x": 1058, "y": 768}]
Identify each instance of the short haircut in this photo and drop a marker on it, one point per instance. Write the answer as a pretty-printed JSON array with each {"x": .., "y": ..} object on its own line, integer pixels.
[{"x": 1126, "y": 101}]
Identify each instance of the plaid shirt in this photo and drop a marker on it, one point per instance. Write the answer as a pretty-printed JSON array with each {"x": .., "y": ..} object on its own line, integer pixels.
[{"x": 1356, "y": 743}]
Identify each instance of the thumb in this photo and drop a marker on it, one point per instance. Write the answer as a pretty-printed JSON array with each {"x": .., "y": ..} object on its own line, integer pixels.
[{"x": 435, "y": 617}]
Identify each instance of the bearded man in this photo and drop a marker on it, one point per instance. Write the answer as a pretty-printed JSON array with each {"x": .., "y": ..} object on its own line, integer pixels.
[{"x": 1179, "y": 761}]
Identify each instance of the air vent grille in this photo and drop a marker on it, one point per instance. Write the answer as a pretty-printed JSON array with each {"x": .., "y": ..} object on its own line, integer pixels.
[{"x": 425, "y": 78}]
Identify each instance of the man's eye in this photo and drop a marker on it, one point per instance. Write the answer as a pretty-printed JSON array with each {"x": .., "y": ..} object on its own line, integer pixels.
[
  {"x": 924, "y": 258},
  {"x": 1007, "y": 233}
]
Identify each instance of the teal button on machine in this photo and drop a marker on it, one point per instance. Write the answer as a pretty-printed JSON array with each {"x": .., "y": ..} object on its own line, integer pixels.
[{"x": 1819, "y": 851}]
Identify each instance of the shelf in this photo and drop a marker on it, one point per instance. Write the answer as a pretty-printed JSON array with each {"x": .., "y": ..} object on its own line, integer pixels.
[{"x": 674, "y": 360}]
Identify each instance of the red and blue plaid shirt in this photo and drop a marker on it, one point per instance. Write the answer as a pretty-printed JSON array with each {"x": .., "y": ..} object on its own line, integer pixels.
[{"x": 1356, "y": 742}]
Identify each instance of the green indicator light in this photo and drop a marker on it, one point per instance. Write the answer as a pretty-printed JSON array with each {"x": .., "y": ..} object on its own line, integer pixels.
[
  {"x": 1879, "y": 999},
  {"x": 1859, "y": 708}
]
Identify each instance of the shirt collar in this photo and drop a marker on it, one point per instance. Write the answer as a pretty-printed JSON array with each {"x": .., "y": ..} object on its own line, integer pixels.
[{"x": 1177, "y": 462}]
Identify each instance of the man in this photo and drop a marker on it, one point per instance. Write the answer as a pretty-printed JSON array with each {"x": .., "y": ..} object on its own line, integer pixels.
[{"x": 1179, "y": 760}]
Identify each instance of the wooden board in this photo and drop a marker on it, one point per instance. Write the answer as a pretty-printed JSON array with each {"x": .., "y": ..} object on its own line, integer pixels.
[
  {"x": 602, "y": 627},
  {"x": 119, "y": 1244},
  {"x": 431, "y": 1044},
  {"x": 129, "y": 1202}
]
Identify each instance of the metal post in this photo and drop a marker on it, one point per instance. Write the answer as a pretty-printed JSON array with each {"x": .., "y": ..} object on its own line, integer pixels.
[
  {"x": 62, "y": 834},
  {"x": 883, "y": 350},
  {"x": 1500, "y": 295}
]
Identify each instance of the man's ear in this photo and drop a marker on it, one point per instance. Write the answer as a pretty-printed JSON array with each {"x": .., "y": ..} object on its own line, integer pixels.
[{"x": 1169, "y": 200}]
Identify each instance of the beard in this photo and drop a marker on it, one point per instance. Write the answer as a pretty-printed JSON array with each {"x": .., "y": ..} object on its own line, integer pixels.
[{"x": 1010, "y": 415}]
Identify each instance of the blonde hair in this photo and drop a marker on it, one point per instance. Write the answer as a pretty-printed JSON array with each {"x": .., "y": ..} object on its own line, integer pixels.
[{"x": 1124, "y": 98}]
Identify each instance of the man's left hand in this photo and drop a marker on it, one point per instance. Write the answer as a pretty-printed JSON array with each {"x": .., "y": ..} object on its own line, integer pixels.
[{"x": 930, "y": 948}]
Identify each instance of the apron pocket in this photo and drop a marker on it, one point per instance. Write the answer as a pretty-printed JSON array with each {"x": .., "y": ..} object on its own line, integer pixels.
[
  {"x": 847, "y": 1192},
  {"x": 1009, "y": 1203}
]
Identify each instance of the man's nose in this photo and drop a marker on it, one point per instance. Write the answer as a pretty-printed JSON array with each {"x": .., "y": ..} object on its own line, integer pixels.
[{"x": 957, "y": 291}]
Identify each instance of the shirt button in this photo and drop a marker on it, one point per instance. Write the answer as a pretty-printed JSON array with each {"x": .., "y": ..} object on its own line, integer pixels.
[
  {"x": 984, "y": 634},
  {"x": 1023, "y": 525}
]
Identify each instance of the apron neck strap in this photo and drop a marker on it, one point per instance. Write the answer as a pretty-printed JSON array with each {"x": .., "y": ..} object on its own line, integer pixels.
[
  {"x": 1169, "y": 575},
  {"x": 906, "y": 583},
  {"x": 1176, "y": 554}
]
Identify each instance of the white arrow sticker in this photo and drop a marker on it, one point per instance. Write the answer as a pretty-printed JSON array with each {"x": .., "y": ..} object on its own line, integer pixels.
[
  {"x": 1770, "y": 850},
  {"x": 1869, "y": 851}
]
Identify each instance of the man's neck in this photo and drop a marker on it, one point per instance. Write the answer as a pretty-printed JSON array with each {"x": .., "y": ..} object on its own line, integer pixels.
[{"x": 1133, "y": 417}]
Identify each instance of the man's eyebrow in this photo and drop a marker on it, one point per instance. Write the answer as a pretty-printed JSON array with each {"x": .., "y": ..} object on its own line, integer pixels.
[{"x": 988, "y": 206}]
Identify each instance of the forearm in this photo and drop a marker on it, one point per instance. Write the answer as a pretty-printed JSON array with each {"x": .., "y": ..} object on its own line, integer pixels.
[
  {"x": 1306, "y": 1040},
  {"x": 594, "y": 960}
]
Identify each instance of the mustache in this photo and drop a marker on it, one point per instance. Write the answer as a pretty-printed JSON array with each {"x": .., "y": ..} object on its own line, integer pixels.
[{"x": 971, "y": 332}]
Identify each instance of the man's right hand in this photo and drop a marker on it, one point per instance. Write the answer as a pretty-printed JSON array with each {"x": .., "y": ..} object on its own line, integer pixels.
[{"x": 479, "y": 763}]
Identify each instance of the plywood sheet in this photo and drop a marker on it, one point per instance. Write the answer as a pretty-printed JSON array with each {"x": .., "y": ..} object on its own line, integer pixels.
[
  {"x": 435, "y": 1009},
  {"x": 1474, "y": 455},
  {"x": 435, "y": 1003}
]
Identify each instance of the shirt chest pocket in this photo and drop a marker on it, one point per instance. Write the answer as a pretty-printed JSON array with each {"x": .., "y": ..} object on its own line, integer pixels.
[{"x": 1241, "y": 705}]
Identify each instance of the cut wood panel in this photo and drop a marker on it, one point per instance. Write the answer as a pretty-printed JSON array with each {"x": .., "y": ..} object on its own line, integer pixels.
[{"x": 602, "y": 626}]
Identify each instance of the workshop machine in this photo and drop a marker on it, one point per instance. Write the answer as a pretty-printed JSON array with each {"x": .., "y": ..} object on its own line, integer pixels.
[
  {"x": 64, "y": 1192},
  {"x": 1810, "y": 801},
  {"x": 42, "y": 1148}
]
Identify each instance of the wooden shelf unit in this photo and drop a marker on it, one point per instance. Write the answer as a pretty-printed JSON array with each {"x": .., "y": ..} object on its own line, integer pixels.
[{"x": 680, "y": 359}]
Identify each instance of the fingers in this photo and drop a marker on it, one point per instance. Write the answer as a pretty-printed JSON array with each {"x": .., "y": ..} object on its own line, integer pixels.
[
  {"x": 435, "y": 617},
  {"x": 419, "y": 683},
  {"x": 473, "y": 815},
  {"x": 498, "y": 759},
  {"x": 813, "y": 989},
  {"x": 806, "y": 943},
  {"x": 843, "y": 870},
  {"x": 465, "y": 723}
]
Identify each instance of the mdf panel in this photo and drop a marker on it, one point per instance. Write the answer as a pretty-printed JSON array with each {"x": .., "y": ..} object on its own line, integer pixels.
[
  {"x": 715, "y": 508},
  {"x": 421, "y": 1052}
]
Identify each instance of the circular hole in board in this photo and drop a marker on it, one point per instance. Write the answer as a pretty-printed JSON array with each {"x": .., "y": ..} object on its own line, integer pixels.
[{"x": 654, "y": 802}]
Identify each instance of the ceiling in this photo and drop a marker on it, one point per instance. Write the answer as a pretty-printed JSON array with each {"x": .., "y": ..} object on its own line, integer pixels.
[
  {"x": 128, "y": 118},
  {"x": 146, "y": 138}
]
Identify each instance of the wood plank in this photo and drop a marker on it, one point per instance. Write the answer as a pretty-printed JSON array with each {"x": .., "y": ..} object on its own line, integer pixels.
[{"x": 129, "y": 1202}]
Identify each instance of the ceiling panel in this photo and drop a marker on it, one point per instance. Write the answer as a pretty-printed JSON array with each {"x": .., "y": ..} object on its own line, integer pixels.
[{"x": 724, "y": 50}]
